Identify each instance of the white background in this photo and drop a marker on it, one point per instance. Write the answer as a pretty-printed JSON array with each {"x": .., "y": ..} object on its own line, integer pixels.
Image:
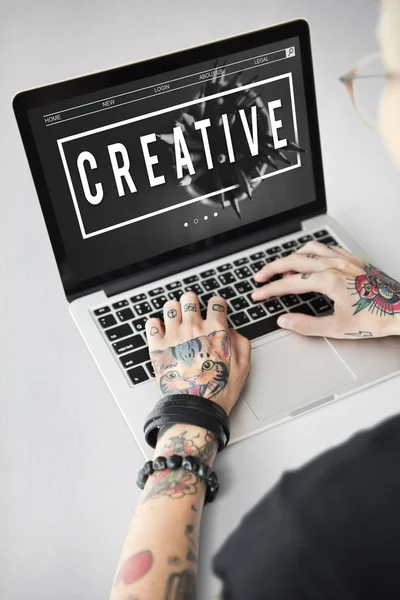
[{"x": 68, "y": 461}]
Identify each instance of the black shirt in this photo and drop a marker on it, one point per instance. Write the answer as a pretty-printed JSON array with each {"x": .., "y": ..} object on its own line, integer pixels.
[{"x": 330, "y": 530}]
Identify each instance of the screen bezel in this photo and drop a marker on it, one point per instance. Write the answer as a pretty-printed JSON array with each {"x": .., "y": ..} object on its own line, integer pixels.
[{"x": 43, "y": 96}]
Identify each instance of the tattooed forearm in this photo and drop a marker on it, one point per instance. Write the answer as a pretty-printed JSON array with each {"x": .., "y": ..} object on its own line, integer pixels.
[
  {"x": 174, "y": 560},
  {"x": 376, "y": 291},
  {"x": 193, "y": 544},
  {"x": 181, "y": 586},
  {"x": 135, "y": 567},
  {"x": 175, "y": 484}
]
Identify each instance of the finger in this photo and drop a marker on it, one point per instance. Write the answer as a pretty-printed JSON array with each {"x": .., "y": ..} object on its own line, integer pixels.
[
  {"x": 295, "y": 284},
  {"x": 316, "y": 248},
  {"x": 308, "y": 326},
  {"x": 172, "y": 315},
  {"x": 190, "y": 308},
  {"x": 155, "y": 332},
  {"x": 217, "y": 311},
  {"x": 300, "y": 263}
]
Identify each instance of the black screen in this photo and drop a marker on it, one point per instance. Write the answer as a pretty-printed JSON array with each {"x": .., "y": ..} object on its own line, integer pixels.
[{"x": 137, "y": 170}]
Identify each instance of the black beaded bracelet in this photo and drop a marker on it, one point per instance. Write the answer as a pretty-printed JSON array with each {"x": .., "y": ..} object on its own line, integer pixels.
[{"x": 176, "y": 461}]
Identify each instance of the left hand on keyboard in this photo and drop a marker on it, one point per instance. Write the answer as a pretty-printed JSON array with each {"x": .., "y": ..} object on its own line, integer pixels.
[{"x": 367, "y": 301}]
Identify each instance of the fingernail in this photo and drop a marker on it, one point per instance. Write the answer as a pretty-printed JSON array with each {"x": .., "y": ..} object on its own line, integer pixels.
[{"x": 285, "y": 321}]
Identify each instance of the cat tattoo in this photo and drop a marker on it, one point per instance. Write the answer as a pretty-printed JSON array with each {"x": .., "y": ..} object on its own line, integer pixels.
[{"x": 199, "y": 366}]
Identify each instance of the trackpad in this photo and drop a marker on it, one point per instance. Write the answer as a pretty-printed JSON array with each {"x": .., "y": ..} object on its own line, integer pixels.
[{"x": 293, "y": 370}]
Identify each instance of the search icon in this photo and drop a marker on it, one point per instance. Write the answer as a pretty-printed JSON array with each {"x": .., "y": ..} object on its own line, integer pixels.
[{"x": 290, "y": 51}]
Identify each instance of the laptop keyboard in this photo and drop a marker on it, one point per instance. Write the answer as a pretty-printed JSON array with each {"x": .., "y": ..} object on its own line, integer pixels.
[{"x": 123, "y": 322}]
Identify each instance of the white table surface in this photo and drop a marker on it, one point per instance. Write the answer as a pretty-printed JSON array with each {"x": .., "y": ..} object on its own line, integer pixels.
[{"x": 68, "y": 461}]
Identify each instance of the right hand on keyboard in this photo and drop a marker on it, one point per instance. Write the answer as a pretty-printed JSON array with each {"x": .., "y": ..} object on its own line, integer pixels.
[
  {"x": 192, "y": 355},
  {"x": 367, "y": 301}
]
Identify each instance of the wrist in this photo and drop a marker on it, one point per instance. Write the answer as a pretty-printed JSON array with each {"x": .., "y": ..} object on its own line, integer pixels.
[{"x": 187, "y": 440}]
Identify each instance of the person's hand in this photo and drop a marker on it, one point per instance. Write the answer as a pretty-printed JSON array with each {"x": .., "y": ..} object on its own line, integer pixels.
[
  {"x": 366, "y": 300},
  {"x": 192, "y": 355}
]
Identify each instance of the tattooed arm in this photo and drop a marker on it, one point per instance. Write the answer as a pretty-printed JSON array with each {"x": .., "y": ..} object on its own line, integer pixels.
[
  {"x": 190, "y": 356},
  {"x": 159, "y": 559},
  {"x": 366, "y": 300}
]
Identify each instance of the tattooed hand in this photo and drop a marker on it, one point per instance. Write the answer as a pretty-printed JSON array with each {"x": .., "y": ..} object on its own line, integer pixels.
[
  {"x": 192, "y": 355},
  {"x": 366, "y": 300}
]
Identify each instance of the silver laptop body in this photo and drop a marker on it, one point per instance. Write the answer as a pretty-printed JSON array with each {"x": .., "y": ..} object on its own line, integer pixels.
[{"x": 189, "y": 172}]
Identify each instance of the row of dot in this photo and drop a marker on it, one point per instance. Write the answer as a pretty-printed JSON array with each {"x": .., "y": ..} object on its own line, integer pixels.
[{"x": 195, "y": 221}]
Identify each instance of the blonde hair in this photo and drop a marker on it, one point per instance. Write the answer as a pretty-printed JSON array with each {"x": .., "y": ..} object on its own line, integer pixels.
[{"x": 389, "y": 33}]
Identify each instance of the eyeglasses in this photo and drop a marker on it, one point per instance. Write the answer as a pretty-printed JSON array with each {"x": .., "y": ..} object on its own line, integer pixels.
[{"x": 365, "y": 83}]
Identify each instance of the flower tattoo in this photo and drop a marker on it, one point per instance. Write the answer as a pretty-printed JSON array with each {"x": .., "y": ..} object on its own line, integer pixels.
[{"x": 377, "y": 291}]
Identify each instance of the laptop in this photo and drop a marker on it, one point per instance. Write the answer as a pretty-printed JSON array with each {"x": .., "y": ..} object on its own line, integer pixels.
[{"x": 189, "y": 172}]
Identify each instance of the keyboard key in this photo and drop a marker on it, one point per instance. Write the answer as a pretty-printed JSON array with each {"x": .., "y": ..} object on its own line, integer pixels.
[
  {"x": 150, "y": 369},
  {"x": 287, "y": 253},
  {"x": 239, "y": 319},
  {"x": 137, "y": 375},
  {"x": 227, "y": 292},
  {"x": 156, "y": 315},
  {"x": 125, "y": 315},
  {"x": 272, "y": 258},
  {"x": 210, "y": 284},
  {"x": 256, "y": 283},
  {"x": 139, "y": 324},
  {"x": 257, "y": 256},
  {"x": 143, "y": 308},
  {"x": 273, "y": 306},
  {"x": 304, "y": 239},
  {"x": 290, "y": 300},
  {"x": 290, "y": 244},
  {"x": 227, "y": 278},
  {"x": 273, "y": 250},
  {"x": 243, "y": 272},
  {"x": 206, "y": 297},
  {"x": 307, "y": 296},
  {"x": 135, "y": 358},
  {"x": 138, "y": 298},
  {"x": 156, "y": 292},
  {"x": 120, "y": 304},
  {"x": 320, "y": 234},
  {"x": 321, "y": 305},
  {"x": 259, "y": 328},
  {"x": 190, "y": 279},
  {"x": 107, "y": 321},
  {"x": 128, "y": 344},
  {"x": 328, "y": 241},
  {"x": 208, "y": 273},
  {"x": 304, "y": 309},
  {"x": 275, "y": 277},
  {"x": 241, "y": 261},
  {"x": 175, "y": 295},
  {"x": 255, "y": 267},
  {"x": 239, "y": 303},
  {"x": 250, "y": 299},
  {"x": 159, "y": 302},
  {"x": 223, "y": 268},
  {"x": 173, "y": 285},
  {"x": 243, "y": 287},
  {"x": 101, "y": 311},
  {"x": 195, "y": 287},
  {"x": 257, "y": 312},
  {"x": 118, "y": 332}
]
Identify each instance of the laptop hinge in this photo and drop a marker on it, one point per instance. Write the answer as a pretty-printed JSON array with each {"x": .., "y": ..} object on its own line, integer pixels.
[{"x": 201, "y": 257}]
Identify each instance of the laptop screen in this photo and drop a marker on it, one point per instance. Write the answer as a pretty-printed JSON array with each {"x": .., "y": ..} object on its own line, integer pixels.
[{"x": 137, "y": 170}]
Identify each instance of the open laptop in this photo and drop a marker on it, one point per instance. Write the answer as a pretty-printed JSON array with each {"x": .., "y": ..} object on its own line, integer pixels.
[{"x": 189, "y": 172}]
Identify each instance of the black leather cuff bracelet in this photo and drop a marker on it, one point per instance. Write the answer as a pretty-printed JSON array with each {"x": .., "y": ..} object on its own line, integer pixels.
[{"x": 188, "y": 410}]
